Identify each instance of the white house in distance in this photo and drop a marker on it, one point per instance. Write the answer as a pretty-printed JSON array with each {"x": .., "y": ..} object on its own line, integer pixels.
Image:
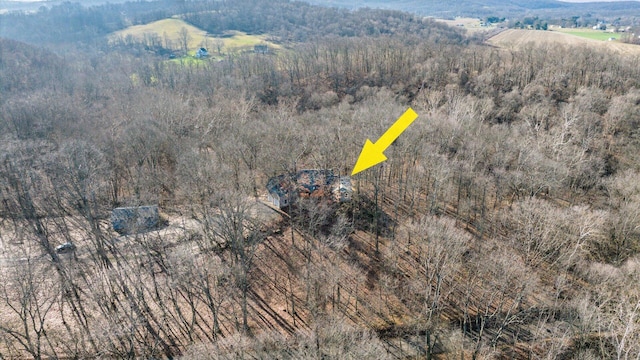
[
  {"x": 311, "y": 183},
  {"x": 202, "y": 53}
]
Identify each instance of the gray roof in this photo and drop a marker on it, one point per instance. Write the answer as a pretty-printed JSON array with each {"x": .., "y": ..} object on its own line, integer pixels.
[{"x": 306, "y": 181}]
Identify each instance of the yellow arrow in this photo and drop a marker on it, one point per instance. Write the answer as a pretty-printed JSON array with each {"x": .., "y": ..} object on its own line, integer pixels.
[{"x": 372, "y": 153}]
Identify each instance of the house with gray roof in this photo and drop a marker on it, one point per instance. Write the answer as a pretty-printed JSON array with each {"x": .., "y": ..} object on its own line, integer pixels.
[{"x": 310, "y": 183}]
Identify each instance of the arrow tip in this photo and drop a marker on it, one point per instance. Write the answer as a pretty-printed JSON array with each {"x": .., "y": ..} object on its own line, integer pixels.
[{"x": 370, "y": 156}]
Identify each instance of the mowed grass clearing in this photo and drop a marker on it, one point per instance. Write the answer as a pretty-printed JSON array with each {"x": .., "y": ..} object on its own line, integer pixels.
[
  {"x": 171, "y": 33},
  {"x": 600, "y": 35},
  {"x": 240, "y": 40}
]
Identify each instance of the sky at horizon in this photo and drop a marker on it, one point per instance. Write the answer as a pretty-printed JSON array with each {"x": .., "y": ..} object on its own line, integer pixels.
[{"x": 589, "y": 1}]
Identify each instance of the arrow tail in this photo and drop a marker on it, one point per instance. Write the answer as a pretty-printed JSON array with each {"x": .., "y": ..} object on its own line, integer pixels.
[
  {"x": 396, "y": 129},
  {"x": 372, "y": 154}
]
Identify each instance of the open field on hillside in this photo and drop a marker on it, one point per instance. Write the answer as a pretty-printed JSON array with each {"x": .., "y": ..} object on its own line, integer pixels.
[
  {"x": 514, "y": 38},
  {"x": 469, "y": 24},
  {"x": 171, "y": 33}
]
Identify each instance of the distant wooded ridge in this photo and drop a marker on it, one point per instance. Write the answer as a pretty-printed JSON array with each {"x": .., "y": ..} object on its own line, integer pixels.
[
  {"x": 71, "y": 22},
  {"x": 484, "y": 8},
  {"x": 298, "y": 21}
]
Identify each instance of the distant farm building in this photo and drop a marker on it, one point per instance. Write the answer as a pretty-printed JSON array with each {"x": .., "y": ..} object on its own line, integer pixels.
[
  {"x": 321, "y": 184},
  {"x": 261, "y": 49},
  {"x": 202, "y": 53}
]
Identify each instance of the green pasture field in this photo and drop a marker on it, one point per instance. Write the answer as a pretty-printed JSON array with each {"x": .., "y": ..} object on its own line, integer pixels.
[{"x": 600, "y": 35}]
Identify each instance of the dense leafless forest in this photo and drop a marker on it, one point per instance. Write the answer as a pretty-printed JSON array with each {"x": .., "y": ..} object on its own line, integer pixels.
[{"x": 505, "y": 224}]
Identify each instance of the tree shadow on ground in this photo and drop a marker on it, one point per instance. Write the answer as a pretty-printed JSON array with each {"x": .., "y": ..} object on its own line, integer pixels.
[{"x": 367, "y": 216}]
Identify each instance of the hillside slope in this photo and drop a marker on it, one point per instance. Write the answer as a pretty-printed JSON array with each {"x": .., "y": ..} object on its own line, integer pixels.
[{"x": 505, "y": 222}]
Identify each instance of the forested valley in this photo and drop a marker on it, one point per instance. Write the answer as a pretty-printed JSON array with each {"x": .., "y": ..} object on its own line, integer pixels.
[{"x": 504, "y": 224}]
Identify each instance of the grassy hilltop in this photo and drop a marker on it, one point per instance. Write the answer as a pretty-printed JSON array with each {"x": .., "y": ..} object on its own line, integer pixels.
[{"x": 173, "y": 33}]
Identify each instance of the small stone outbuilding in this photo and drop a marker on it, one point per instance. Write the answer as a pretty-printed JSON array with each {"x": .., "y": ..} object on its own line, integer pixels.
[{"x": 136, "y": 219}]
